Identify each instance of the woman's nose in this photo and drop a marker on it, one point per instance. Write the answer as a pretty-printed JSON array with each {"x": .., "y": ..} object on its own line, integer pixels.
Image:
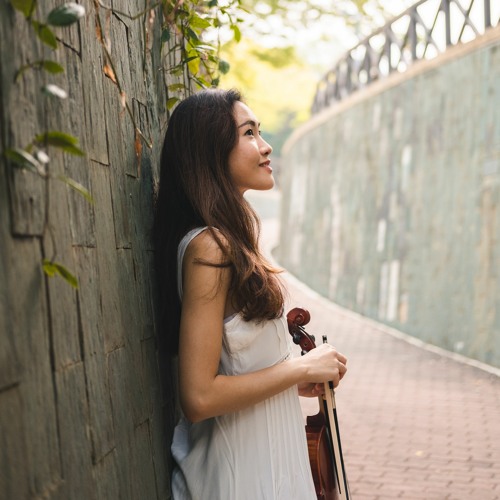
[{"x": 265, "y": 147}]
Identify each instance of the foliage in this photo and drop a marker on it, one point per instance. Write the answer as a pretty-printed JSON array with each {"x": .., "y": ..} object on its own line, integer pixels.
[
  {"x": 194, "y": 26},
  {"x": 51, "y": 268},
  {"x": 34, "y": 156}
]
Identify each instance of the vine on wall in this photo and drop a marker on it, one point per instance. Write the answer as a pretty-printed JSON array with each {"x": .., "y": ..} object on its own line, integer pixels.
[
  {"x": 189, "y": 22},
  {"x": 190, "y": 36},
  {"x": 34, "y": 156}
]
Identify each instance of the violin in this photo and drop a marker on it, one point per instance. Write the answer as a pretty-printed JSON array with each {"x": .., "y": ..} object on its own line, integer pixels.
[{"x": 322, "y": 429}]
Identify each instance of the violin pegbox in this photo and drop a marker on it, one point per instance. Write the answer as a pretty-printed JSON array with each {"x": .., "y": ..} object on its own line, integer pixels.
[{"x": 296, "y": 319}]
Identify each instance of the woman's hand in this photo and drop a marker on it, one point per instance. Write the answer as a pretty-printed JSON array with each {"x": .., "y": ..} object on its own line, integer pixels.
[
  {"x": 324, "y": 364},
  {"x": 311, "y": 390}
]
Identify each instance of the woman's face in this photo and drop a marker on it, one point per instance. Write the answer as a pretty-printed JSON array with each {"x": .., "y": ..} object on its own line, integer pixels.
[{"x": 249, "y": 163}]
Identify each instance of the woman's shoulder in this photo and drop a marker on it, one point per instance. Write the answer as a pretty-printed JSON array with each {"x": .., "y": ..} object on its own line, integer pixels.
[{"x": 207, "y": 245}]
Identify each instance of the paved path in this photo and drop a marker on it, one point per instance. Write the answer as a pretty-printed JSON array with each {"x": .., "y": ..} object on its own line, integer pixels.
[{"x": 415, "y": 424}]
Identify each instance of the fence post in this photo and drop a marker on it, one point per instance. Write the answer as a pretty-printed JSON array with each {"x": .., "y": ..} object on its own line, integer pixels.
[
  {"x": 487, "y": 14},
  {"x": 412, "y": 33},
  {"x": 445, "y": 5}
]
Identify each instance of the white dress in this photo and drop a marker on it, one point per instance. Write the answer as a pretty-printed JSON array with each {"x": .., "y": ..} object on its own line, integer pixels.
[{"x": 259, "y": 453}]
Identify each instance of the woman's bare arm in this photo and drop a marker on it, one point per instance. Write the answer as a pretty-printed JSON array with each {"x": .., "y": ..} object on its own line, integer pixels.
[{"x": 203, "y": 392}]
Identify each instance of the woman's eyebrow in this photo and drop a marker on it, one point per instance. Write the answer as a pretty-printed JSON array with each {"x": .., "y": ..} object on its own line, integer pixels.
[{"x": 249, "y": 122}]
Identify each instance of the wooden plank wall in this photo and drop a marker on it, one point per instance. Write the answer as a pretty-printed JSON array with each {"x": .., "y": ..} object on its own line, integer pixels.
[{"x": 83, "y": 413}]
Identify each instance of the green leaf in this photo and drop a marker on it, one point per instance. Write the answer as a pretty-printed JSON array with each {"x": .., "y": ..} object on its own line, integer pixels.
[
  {"x": 66, "y": 142},
  {"x": 23, "y": 159},
  {"x": 174, "y": 87},
  {"x": 182, "y": 13},
  {"x": 24, "y": 6},
  {"x": 177, "y": 70},
  {"x": 194, "y": 65},
  {"x": 185, "y": 61},
  {"x": 198, "y": 22},
  {"x": 224, "y": 67},
  {"x": 48, "y": 268},
  {"x": 192, "y": 36},
  {"x": 165, "y": 35},
  {"x": 66, "y": 14},
  {"x": 236, "y": 31},
  {"x": 77, "y": 187},
  {"x": 52, "y": 269},
  {"x": 201, "y": 47},
  {"x": 52, "y": 67},
  {"x": 201, "y": 82},
  {"x": 172, "y": 102},
  {"x": 44, "y": 33}
]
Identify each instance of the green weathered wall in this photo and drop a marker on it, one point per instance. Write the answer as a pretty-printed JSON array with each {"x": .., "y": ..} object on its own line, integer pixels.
[
  {"x": 391, "y": 202},
  {"x": 82, "y": 412}
]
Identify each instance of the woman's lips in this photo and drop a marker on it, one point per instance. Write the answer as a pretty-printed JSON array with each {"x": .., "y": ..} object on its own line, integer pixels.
[{"x": 266, "y": 165}]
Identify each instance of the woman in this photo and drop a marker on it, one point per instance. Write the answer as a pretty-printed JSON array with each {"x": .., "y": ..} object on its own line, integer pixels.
[{"x": 241, "y": 435}]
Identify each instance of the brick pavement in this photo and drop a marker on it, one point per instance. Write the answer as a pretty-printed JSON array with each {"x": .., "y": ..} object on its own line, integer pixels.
[{"x": 415, "y": 424}]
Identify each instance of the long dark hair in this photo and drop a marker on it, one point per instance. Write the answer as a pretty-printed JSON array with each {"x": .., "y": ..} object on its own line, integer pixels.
[{"x": 197, "y": 190}]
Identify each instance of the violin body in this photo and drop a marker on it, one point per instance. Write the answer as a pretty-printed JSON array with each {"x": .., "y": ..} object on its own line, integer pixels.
[
  {"x": 323, "y": 441},
  {"x": 320, "y": 457}
]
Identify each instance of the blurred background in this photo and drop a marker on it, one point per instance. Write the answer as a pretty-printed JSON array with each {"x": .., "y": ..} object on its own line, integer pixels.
[
  {"x": 385, "y": 123},
  {"x": 286, "y": 46}
]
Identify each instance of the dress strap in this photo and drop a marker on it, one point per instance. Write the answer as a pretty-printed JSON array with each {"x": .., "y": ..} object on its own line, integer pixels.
[{"x": 181, "y": 250}]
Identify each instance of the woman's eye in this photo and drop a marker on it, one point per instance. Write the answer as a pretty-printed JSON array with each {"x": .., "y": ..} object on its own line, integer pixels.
[{"x": 249, "y": 132}]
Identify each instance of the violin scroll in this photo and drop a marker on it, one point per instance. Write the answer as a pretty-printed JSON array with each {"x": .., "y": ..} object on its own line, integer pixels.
[
  {"x": 298, "y": 316},
  {"x": 296, "y": 319}
]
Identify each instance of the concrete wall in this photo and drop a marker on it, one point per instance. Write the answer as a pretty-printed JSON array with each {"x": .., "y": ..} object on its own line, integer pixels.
[
  {"x": 82, "y": 412},
  {"x": 391, "y": 202}
]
